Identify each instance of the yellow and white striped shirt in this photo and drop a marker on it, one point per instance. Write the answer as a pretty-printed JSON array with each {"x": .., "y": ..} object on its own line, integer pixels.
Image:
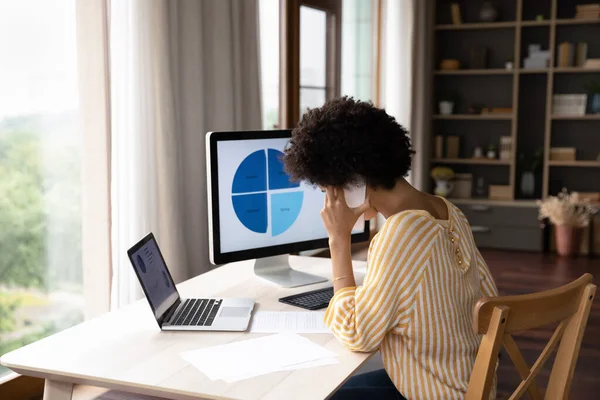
[{"x": 416, "y": 303}]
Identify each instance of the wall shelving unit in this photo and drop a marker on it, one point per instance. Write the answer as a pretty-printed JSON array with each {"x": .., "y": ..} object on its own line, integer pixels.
[{"x": 528, "y": 91}]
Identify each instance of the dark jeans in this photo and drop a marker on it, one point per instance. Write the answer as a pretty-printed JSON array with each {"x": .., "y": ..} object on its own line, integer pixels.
[{"x": 371, "y": 385}]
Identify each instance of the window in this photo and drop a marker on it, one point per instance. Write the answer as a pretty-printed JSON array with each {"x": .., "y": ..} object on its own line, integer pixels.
[
  {"x": 329, "y": 49},
  {"x": 358, "y": 44},
  {"x": 40, "y": 173},
  {"x": 269, "y": 62},
  {"x": 313, "y": 58}
]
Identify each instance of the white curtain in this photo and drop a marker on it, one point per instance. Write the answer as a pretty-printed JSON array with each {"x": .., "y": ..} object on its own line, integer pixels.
[
  {"x": 178, "y": 69},
  {"x": 406, "y": 76}
]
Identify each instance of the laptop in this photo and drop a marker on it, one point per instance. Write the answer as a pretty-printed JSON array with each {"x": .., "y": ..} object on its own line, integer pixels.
[{"x": 174, "y": 313}]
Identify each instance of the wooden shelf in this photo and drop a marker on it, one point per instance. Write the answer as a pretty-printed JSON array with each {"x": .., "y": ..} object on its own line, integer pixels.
[
  {"x": 576, "y": 21},
  {"x": 513, "y": 203},
  {"x": 474, "y": 116},
  {"x": 576, "y": 117},
  {"x": 544, "y": 22},
  {"x": 576, "y": 70},
  {"x": 575, "y": 163},
  {"x": 476, "y": 25},
  {"x": 490, "y": 71},
  {"x": 534, "y": 71},
  {"x": 475, "y": 161}
]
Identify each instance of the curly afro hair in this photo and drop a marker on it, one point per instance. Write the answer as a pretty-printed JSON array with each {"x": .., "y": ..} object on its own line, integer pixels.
[{"x": 348, "y": 142}]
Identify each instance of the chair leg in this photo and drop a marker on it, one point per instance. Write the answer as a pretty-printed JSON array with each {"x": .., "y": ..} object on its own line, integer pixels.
[{"x": 55, "y": 390}]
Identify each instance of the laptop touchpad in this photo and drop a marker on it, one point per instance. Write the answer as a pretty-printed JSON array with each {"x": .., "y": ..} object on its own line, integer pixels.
[{"x": 234, "y": 312}]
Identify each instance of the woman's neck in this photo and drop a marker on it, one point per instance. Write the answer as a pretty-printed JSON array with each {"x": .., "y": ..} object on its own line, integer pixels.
[{"x": 404, "y": 197}]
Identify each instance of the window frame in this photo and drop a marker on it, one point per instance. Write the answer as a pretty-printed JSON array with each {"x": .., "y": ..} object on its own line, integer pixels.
[{"x": 289, "y": 95}]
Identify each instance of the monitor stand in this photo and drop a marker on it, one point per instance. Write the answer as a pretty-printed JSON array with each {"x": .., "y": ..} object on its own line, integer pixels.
[{"x": 277, "y": 270}]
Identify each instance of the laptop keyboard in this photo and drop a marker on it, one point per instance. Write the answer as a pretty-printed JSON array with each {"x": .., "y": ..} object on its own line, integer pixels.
[{"x": 197, "y": 312}]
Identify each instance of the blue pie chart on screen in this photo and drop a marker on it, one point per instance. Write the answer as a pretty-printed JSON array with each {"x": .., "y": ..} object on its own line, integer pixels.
[{"x": 264, "y": 199}]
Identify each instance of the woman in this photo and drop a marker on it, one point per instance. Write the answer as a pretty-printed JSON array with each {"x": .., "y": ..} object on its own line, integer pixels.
[{"x": 424, "y": 272}]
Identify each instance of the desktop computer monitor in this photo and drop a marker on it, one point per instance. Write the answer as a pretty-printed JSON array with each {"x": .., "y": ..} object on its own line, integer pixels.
[{"x": 256, "y": 212}]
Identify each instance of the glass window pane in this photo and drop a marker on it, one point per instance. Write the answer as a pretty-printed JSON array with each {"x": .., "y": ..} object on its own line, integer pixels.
[
  {"x": 311, "y": 98},
  {"x": 40, "y": 181},
  {"x": 269, "y": 59},
  {"x": 313, "y": 40},
  {"x": 357, "y": 49}
]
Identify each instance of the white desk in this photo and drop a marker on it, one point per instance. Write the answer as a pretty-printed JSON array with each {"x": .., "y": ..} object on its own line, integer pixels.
[{"x": 125, "y": 350}]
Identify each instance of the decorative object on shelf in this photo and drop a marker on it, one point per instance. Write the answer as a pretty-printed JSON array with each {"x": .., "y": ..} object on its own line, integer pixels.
[
  {"x": 463, "y": 185},
  {"x": 539, "y": 17},
  {"x": 581, "y": 54},
  {"x": 491, "y": 153},
  {"x": 480, "y": 188},
  {"x": 566, "y": 55},
  {"x": 509, "y": 65},
  {"x": 569, "y": 104},
  {"x": 452, "y": 147},
  {"x": 450, "y": 64},
  {"x": 438, "y": 150},
  {"x": 446, "y": 107},
  {"x": 537, "y": 58},
  {"x": 478, "y": 152},
  {"x": 475, "y": 109},
  {"x": 569, "y": 215},
  {"x": 527, "y": 184},
  {"x": 455, "y": 13},
  {"x": 488, "y": 12},
  {"x": 562, "y": 153},
  {"x": 447, "y": 100},
  {"x": 593, "y": 89},
  {"x": 592, "y": 63},
  {"x": 478, "y": 56},
  {"x": 530, "y": 165},
  {"x": 442, "y": 177},
  {"x": 588, "y": 11},
  {"x": 497, "y": 110},
  {"x": 505, "y": 147},
  {"x": 598, "y": 158},
  {"x": 500, "y": 192}
]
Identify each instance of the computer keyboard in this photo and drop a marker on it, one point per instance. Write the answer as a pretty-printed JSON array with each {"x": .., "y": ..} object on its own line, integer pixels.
[
  {"x": 313, "y": 300},
  {"x": 197, "y": 312}
]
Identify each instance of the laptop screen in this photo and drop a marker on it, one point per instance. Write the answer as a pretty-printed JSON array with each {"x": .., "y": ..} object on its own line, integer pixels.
[{"x": 154, "y": 277}]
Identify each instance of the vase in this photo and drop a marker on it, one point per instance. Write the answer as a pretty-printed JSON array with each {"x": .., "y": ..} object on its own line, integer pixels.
[
  {"x": 446, "y": 107},
  {"x": 443, "y": 187},
  {"x": 568, "y": 240},
  {"x": 527, "y": 184},
  {"x": 488, "y": 12},
  {"x": 596, "y": 103}
]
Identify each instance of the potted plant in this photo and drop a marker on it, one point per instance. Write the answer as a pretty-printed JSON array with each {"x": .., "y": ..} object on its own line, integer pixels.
[
  {"x": 530, "y": 163},
  {"x": 442, "y": 177},
  {"x": 447, "y": 100},
  {"x": 570, "y": 216},
  {"x": 593, "y": 89}
]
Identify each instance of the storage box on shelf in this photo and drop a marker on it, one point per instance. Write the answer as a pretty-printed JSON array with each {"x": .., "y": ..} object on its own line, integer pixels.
[{"x": 569, "y": 104}]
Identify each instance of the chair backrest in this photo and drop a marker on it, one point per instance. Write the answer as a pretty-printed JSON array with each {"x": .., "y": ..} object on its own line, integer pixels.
[{"x": 496, "y": 318}]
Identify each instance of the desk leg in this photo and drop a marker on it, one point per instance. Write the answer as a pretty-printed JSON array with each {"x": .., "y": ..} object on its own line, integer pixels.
[{"x": 55, "y": 390}]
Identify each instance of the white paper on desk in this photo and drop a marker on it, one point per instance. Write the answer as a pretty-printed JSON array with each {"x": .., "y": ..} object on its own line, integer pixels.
[
  {"x": 284, "y": 321},
  {"x": 255, "y": 356},
  {"x": 309, "y": 364}
]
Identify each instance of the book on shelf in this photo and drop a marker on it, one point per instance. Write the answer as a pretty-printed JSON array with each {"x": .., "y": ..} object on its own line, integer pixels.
[
  {"x": 565, "y": 54},
  {"x": 588, "y": 7},
  {"x": 581, "y": 57},
  {"x": 456, "y": 18},
  {"x": 438, "y": 151},
  {"x": 452, "y": 146},
  {"x": 594, "y": 15},
  {"x": 587, "y": 11},
  {"x": 592, "y": 63}
]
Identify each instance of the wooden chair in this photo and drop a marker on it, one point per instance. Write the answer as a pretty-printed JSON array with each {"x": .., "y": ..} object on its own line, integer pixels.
[{"x": 497, "y": 318}]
